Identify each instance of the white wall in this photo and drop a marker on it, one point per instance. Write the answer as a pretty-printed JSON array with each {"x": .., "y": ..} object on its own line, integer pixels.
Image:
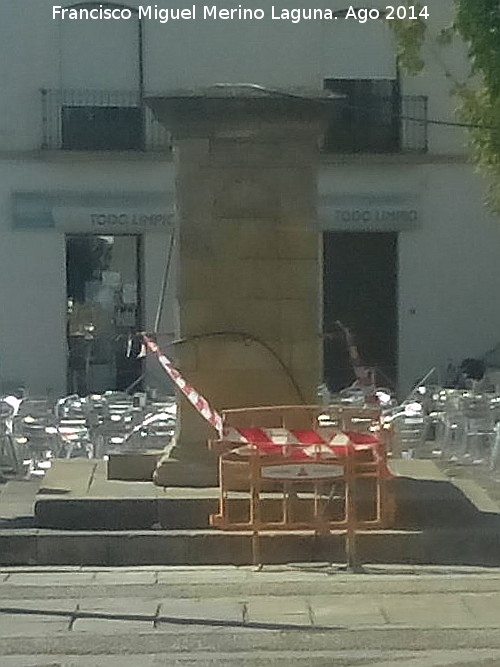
[
  {"x": 450, "y": 275},
  {"x": 302, "y": 55},
  {"x": 28, "y": 61},
  {"x": 33, "y": 280},
  {"x": 99, "y": 55},
  {"x": 39, "y": 52},
  {"x": 444, "y": 67},
  {"x": 449, "y": 271},
  {"x": 32, "y": 297},
  {"x": 449, "y": 268}
]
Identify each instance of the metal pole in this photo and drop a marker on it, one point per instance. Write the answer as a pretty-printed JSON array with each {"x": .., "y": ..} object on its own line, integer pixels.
[
  {"x": 352, "y": 558},
  {"x": 255, "y": 508},
  {"x": 164, "y": 283}
]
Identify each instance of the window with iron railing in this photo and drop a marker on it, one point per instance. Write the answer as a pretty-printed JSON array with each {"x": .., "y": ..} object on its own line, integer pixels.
[
  {"x": 84, "y": 120},
  {"x": 374, "y": 118}
]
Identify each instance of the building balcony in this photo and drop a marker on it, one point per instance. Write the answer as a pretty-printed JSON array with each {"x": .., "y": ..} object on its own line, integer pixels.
[
  {"x": 94, "y": 120},
  {"x": 376, "y": 124}
]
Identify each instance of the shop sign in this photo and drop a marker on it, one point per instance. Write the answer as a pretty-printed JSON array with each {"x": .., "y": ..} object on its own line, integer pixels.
[
  {"x": 110, "y": 220},
  {"x": 136, "y": 220},
  {"x": 370, "y": 212},
  {"x": 375, "y": 215},
  {"x": 94, "y": 212}
]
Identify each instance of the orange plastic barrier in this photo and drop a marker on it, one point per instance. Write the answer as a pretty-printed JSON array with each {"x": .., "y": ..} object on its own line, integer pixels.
[{"x": 316, "y": 478}]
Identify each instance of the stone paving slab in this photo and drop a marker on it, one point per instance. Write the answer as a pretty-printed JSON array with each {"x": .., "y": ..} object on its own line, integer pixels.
[
  {"x": 51, "y": 579},
  {"x": 17, "y": 501},
  {"x": 31, "y": 626},
  {"x": 220, "y": 575},
  {"x": 143, "y": 660},
  {"x": 207, "y": 609},
  {"x": 100, "y": 485},
  {"x": 400, "y": 613},
  {"x": 336, "y": 658},
  {"x": 222, "y": 582},
  {"x": 108, "y": 489},
  {"x": 352, "y": 610},
  {"x": 122, "y": 609},
  {"x": 53, "y": 606},
  {"x": 137, "y": 613},
  {"x": 417, "y": 469},
  {"x": 56, "y": 620},
  {"x": 123, "y": 606},
  {"x": 110, "y": 626},
  {"x": 252, "y": 640},
  {"x": 267, "y": 609},
  {"x": 478, "y": 496},
  {"x": 83, "y": 478},
  {"x": 428, "y": 610},
  {"x": 485, "y": 607},
  {"x": 69, "y": 476},
  {"x": 132, "y": 577}
]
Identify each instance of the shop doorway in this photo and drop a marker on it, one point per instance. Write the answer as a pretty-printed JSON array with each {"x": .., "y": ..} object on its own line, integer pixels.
[
  {"x": 103, "y": 278},
  {"x": 360, "y": 288}
]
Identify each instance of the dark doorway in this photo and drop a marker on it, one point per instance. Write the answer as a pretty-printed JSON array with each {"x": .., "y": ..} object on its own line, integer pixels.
[
  {"x": 103, "y": 277},
  {"x": 360, "y": 288}
]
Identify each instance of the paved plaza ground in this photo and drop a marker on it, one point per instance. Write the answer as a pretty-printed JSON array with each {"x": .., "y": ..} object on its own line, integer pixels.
[
  {"x": 293, "y": 616},
  {"x": 302, "y": 615}
]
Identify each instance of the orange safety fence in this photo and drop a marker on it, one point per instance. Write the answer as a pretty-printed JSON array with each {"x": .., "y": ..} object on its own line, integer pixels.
[{"x": 319, "y": 478}]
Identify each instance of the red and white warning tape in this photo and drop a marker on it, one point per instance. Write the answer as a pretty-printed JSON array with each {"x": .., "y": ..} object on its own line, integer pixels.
[
  {"x": 322, "y": 444},
  {"x": 284, "y": 436},
  {"x": 197, "y": 400}
]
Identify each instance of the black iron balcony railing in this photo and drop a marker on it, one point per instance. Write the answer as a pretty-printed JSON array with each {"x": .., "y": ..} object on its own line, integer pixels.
[
  {"x": 92, "y": 120},
  {"x": 375, "y": 124}
]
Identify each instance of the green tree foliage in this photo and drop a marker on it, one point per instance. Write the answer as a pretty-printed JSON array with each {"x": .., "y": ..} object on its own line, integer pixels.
[
  {"x": 410, "y": 36},
  {"x": 477, "y": 23}
]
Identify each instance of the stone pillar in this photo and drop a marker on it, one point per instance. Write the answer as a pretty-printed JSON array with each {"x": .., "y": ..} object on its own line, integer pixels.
[{"x": 248, "y": 259}]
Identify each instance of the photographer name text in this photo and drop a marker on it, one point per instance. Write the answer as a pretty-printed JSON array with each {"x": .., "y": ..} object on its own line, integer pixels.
[{"x": 239, "y": 13}]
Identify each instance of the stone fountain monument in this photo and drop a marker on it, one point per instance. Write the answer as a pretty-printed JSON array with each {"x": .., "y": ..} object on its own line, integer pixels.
[{"x": 248, "y": 256}]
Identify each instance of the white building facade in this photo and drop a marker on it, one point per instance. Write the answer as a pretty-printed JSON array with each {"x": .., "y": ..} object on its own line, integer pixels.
[{"x": 87, "y": 185}]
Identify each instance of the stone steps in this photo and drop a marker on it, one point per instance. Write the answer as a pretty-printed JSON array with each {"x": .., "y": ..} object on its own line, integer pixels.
[
  {"x": 210, "y": 547},
  {"x": 81, "y": 518}
]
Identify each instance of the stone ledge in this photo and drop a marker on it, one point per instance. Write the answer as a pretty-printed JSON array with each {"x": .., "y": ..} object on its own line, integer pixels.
[{"x": 210, "y": 547}]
